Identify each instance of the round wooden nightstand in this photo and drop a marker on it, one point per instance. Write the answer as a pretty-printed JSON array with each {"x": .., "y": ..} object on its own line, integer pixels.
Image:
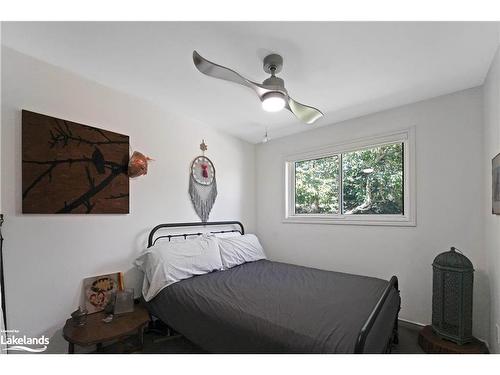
[{"x": 96, "y": 332}]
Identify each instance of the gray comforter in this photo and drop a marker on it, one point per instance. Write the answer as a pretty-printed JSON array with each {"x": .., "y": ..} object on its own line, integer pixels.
[{"x": 271, "y": 307}]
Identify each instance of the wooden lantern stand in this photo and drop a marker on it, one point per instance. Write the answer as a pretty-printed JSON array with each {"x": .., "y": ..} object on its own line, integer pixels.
[{"x": 433, "y": 344}]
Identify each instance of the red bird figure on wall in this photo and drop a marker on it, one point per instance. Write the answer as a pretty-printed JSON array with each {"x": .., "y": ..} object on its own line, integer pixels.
[
  {"x": 204, "y": 170},
  {"x": 138, "y": 164}
]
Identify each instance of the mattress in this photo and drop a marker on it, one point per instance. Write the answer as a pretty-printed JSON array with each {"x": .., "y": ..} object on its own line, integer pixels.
[{"x": 272, "y": 307}]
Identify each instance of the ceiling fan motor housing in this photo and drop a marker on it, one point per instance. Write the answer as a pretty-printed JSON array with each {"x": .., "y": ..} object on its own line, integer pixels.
[
  {"x": 273, "y": 63},
  {"x": 274, "y": 82}
]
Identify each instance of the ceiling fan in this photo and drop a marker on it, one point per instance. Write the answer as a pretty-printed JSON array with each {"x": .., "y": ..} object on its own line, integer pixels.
[{"x": 271, "y": 92}]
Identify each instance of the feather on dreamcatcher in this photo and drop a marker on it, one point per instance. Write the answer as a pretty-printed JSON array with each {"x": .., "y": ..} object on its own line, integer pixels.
[{"x": 202, "y": 184}]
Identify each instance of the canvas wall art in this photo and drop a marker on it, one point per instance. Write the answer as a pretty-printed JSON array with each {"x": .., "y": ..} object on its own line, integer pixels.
[
  {"x": 496, "y": 185},
  {"x": 70, "y": 168}
]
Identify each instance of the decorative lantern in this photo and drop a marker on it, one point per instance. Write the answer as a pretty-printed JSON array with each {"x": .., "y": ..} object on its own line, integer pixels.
[{"x": 453, "y": 276}]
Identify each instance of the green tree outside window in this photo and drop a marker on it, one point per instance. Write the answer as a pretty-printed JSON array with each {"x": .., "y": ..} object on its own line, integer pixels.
[{"x": 372, "y": 182}]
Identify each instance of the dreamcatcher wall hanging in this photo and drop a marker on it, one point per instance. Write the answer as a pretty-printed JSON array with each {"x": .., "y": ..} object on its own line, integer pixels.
[{"x": 202, "y": 184}]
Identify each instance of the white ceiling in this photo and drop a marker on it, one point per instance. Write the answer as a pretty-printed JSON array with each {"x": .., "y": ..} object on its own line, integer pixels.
[{"x": 346, "y": 69}]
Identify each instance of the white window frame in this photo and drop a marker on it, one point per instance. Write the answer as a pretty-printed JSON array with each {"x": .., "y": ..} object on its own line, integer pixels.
[{"x": 407, "y": 137}]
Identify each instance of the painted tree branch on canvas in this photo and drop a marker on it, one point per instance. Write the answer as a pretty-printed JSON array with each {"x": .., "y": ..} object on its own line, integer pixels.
[{"x": 72, "y": 168}]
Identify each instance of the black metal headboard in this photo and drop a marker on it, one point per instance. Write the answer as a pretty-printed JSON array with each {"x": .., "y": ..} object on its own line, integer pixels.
[{"x": 152, "y": 240}]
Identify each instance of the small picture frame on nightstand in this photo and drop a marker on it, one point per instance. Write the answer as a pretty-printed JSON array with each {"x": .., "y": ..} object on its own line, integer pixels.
[{"x": 124, "y": 301}]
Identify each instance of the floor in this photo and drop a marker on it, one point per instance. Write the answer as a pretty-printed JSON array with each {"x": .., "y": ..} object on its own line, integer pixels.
[
  {"x": 155, "y": 343},
  {"x": 408, "y": 337}
]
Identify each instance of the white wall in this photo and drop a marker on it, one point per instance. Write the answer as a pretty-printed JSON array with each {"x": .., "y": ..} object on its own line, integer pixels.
[
  {"x": 449, "y": 187},
  {"x": 47, "y": 256},
  {"x": 492, "y": 222}
]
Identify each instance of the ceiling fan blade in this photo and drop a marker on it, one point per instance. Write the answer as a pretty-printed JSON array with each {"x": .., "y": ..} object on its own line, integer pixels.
[
  {"x": 303, "y": 112},
  {"x": 221, "y": 72}
]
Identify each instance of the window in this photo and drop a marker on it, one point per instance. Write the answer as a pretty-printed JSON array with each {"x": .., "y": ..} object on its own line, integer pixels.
[
  {"x": 317, "y": 186},
  {"x": 363, "y": 182},
  {"x": 373, "y": 180}
]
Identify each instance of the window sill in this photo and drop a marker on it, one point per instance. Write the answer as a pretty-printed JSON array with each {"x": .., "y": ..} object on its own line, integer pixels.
[{"x": 378, "y": 220}]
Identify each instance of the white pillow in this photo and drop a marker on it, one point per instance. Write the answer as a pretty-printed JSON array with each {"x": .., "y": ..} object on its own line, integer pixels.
[
  {"x": 169, "y": 262},
  {"x": 238, "y": 250}
]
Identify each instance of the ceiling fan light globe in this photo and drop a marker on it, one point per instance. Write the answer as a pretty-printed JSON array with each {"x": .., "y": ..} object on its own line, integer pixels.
[{"x": 273, "y": 102}]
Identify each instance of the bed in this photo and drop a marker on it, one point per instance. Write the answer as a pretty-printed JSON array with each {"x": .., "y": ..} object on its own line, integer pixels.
[{"x": 272, "y": 307}]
